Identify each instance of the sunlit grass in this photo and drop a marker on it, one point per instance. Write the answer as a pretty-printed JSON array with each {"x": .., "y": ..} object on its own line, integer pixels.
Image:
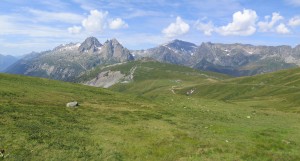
[{"x": 147, "y": 121}]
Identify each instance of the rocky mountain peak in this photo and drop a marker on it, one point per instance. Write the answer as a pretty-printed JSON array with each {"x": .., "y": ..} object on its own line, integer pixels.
[
  {"x": 113, "y": 42},
  {"x": 90, "y": 44},
  {"x": 112, "y": 49},
  {"x": 207, "y": 44},
  {"x": 297, "y": 47},
  {"x": 181, "y": 45}
]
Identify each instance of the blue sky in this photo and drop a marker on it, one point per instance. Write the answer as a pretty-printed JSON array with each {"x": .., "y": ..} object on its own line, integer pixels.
[{"x": 35, "y": 25}]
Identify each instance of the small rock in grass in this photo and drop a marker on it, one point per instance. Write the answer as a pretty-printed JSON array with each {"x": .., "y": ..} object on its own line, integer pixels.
[
  {"x": 72, "y": 104},
  {"x": 248, "y": 117},
  {"x": 226, "y": 141}
]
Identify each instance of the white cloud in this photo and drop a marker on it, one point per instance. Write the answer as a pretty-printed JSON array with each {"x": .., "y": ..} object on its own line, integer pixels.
[
  {"x": 206, "y": 28},
  {"x": 243, "y": 24},
  {"x": 96, "y": 21},
  {"x": 177, "y": 28},
  {"x": 282, "y": 29},
  {"x": 66, "y": 17},
  {"x": 295, "y": 21},
  {"x": 74, "y": 29},
  {"x": 266, "y": 26},
  {"x": 293, "y": 2},
  {"x": 117, "y": 24}
]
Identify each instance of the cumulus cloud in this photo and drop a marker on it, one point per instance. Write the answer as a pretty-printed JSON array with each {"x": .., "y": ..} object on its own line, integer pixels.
[
  {"x": 295, "y": 21},
  {"x": 282, "y": 29},
  {"x": 117, "y": 24},
  {"x": 74, "y": 29},
  {"x": 96, "y": 21},
  {"x": 206, "y": 28},
  {"x": 268, "y": 25},
  {"x": 177, "y": 28},
  {"x": 243, "y": 24}
]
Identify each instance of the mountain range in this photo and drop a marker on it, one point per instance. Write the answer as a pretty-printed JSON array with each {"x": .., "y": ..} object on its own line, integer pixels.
[
  {"x": 232, "y": 59},
  {"x": 6, "y": 61},
  {"x": 69, "y": 62}
]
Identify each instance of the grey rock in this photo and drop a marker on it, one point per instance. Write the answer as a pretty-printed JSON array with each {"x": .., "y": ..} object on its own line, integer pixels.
[
  {"x": 72, "y": 104},
  {"x": 90, "y": 44},
  {"x": 113, "y": 51},
  {"x": 106, "y": 79}
]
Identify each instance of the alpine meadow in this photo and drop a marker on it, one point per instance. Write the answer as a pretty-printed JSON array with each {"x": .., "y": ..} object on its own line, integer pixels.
[{"x": 149, "y": 80}]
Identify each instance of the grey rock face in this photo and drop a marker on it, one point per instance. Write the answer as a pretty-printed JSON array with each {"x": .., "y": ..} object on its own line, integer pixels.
[
  {"x": 106, "y": 79},
  {"x": 182, "y": 46},
  {"x": 90, "y": 44},
  {"x": 113, "y": 51}
]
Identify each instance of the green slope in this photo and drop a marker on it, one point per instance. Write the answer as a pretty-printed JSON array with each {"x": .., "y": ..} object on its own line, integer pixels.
[
  {"x": 155, "y": 78},
  {"x": 279, "y": 90},
  {"x": 231, "y": 100},
  {"x": 142, "y": 122}
]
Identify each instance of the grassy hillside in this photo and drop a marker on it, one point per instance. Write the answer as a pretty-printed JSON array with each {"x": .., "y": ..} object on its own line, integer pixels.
[
  {"x": 155, "y": 78},
  {"x": 279, "y": 90},
  {"x": 147, "y": 121}
]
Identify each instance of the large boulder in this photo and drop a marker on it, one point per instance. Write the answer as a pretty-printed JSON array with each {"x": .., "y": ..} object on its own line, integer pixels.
[{"x": 72, "y": 104}]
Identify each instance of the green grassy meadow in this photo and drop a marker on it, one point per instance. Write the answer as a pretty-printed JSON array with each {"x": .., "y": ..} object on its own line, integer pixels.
[{"x": 152, "y": 118}]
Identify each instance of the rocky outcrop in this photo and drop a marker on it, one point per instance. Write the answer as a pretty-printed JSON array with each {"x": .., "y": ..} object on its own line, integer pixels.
[{"x": 108, "y": 78}]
